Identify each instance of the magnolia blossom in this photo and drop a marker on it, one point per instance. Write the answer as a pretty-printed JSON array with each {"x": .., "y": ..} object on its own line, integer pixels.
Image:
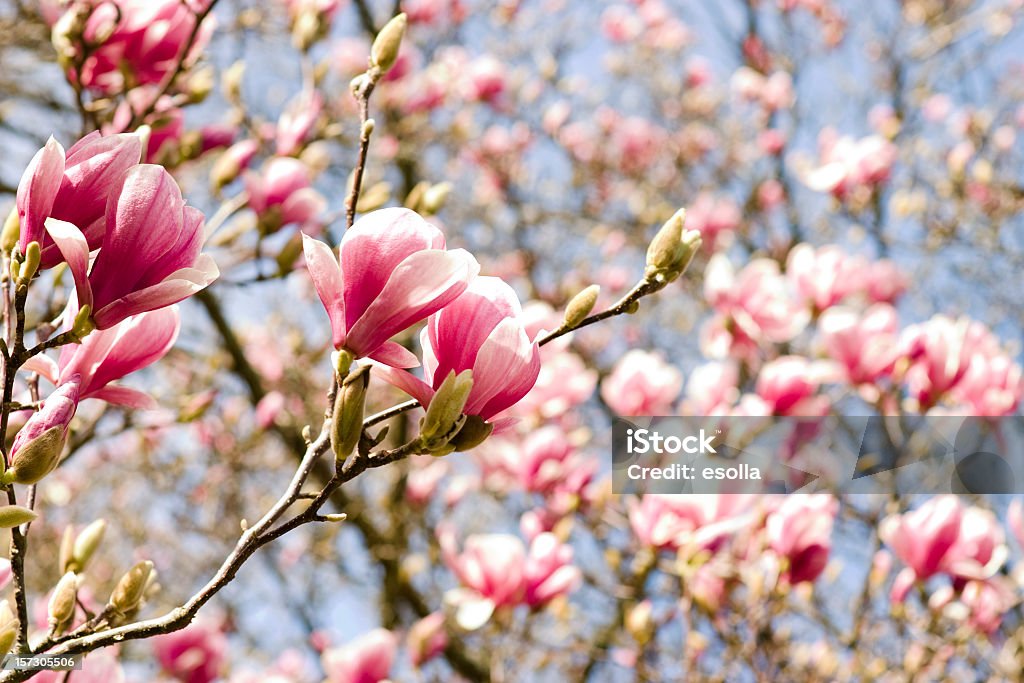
[
  {"x": 427, "y": 638},
  {"x": 846, "y": 164},
  {"x": 699, "y": 521},
  {"x": 195, "y": 654},
  {"x": 713, "y": 389},
  {"x": 297, "y": 121},
  {"x": 789, "y": 385},
  {"x": 367, "y": 659},
  {"x": 75, "y": 187},
  {"x": 481, "y": 331},
  {"x": 823, "y": 276},
  {"x": 282, "y": 194},
  {"x": 642, "y": 383},
  {"x": 753, "y": 306},
  {"x": 864, "y": 345},
  {"x": 564, "y": 382},
  {"x": 800, "y": 530},
  {"x": 150, "y": 256},
  {"x": 146, "y": 38},
  {"x": 394, "y": 271},
  {"x": 716, "y": 218},
  {"x": 499, "y": 572},
  {"x": 106, "y": 356}
]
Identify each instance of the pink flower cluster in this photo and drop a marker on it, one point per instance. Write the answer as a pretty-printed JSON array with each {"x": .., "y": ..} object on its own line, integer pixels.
[
  {"x": 392, "y": 272},
  {"x": 847, "y": 166},
  {"x": 497, "y": 571}
]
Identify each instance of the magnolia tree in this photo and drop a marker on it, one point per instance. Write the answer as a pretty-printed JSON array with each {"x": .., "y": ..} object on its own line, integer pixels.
[{"x": 317, "y": 315}]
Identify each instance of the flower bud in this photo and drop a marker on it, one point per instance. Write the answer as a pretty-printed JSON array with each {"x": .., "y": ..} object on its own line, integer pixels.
[
  {"x": 671, "y": 250},
  {"x": 83, "y": 324},
  {"x": 474, "y": 432},
  {"x": 347, "y": 426},
  {"x": 434, "y": 198},
  {"x": 444, "y": 414},
  {"x": 30, "y": 266},
  {"x": 580, "y": 306},
  {"x": 8, "y": 628},
  {"x": 11, "y": 232},
  {"x": 37, "y": 458},
  {"x": 231, "y": 81},
  {"x": 85, "y": 546},
  {"x": 307, "y": 29},
  {"x": 61, "y": 610},
  {"x": 15, "y": 515},
  {"x": 385, "y": 47},
  {"x": 639, "y": 622},
  {"x": 128, "y": 594}
]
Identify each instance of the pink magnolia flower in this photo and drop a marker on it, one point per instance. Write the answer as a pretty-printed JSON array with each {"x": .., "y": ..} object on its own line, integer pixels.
[
  {"x": 548, "y": 571},
  {"x": 73, "y": 187},
  {"x": 195, "y": 654},
  {"x": 491, "y": 565},
  {"x": 147, "y": 39},
  {"x": 864, "y": 345},
  {"x": 367, "y": 659},
  {"x": 800, "y": 530},
  {"x": 564, "y": 382},
  {"x": 716, "y": 218},
  {"x": 282, "y": 194},
  {"x": 754, "y": 304},
  {"x": 992, "y": 385},
  {"x": 698, "y": 521},
  {"x": 297, "y": 121},
  {"x": 394, "y": 271},
  {"x": 980, "y": 547},
  {"x": 484, "y": 79},
  {"x": 547, "y": 461},
  {"x": 482, "y": 330},
  {"x": 150, "y": 254},
  {"x": 921, "y": 539},
  {"x": 106, "y": 356},
  {"x": 940, "y": 352},
  {"x": 57, "y": 411},
  {"x": 789, "y": 385},
  {"x": 846, "y": 164},
  {"x": 987, "y": 602},
  {"x": 427, "y": 638},
  {"x": 713, "y": 389},
  {"x": 642, "y": 383},
  {"x": 823, "y": 276}
]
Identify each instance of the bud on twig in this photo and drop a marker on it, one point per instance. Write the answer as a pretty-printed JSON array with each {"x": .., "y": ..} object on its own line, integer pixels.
[
  {"x": 434, "y": 198},
  {"x": 8, "y": 628},
  {"x": 671, "y": 250},
  {"x": 83, "y": 324},
  {"x": 347, "y": 425},
  {"x": 580, "y": 306},
  {"x": 473, "y": 433},
  {"x": 444, "y": 415},
  {"x": 33, "y": 255},
  {"x": 11, "y": 232},
  {"x": 385, "y": 47},
  {"x": 85, "y": 546},
  {"x": 15, "y": 515},
  {"x": 37, "y": 458},
  {"x": 61, "y": 611},
  {"x": 128, "y": 594}
]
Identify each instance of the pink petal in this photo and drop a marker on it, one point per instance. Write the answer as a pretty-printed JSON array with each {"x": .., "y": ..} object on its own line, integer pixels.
[
  {"x": 303, "y": 206},
  {"x": 38, "y": 190},
  {"x": 421, "y": 285},
  {"x": 75, "y": 250},
  {"x": 406, "y": 381},
  {"x": 395, "y": 355},
  {"x": 505, "y": 370},
  {"x": 44, "y": 366},
  {"x": 178, "y": 286},
  {"x": 326, "y": 275},
  {"x": 374, "y": 247},
  {"x": 125, "y": 396}
]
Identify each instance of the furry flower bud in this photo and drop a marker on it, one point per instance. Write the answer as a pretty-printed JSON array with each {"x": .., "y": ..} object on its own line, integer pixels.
[
  {"x": 444, "y": 415},
  {"x": 15, "y": 515},
  {"x": 581, "y": 305},
  {"x": 347, "y": 426},
  {"x": 61, "y": 610},
  {"x": 672, "y": 249},
  {"x": 128, "y": 594},
  {"x": 387, "y": 43}
]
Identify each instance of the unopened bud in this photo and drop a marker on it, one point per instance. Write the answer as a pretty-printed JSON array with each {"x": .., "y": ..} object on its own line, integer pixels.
[
  {"x": 342, "y": 363},
  {"x": 672, "y": 249},
  {"x": 580, "y": 306},
  {"x": 83, "y": 324},
  {"x": 128, "y": 593},
  {"x": 37, "y": 458},
  {"x": 306, "y": 30},
  {"x": 474, "y": 432},
  {"x": 200, "y": 84},
  {"x": 15, "y": 515},
  {"x": 639, "y": 622},
  {"x": 11, "y": 232},
  {"x": 444, "y": 414},
  {"x": 85, "y": 546},
  {"x": 435, "y": 197},
  {"x": 347, "y": 425},
  {"x": 385, "y": 47},
  {"x": 61, "y": 610},
  {"x": 366, "y": 130},
  {"x": 8, "y": 628},
  {"x": 231, "y": 81},
  {"x": 33, "y": 255}
]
